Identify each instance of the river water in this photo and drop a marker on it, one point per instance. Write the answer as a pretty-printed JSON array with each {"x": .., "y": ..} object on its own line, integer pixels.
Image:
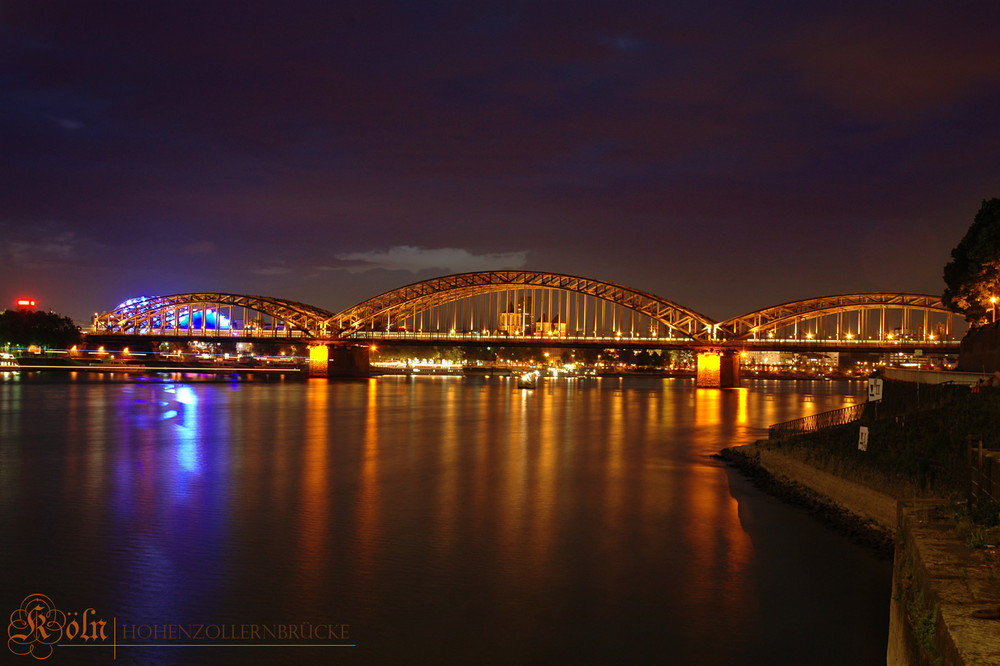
[{"x": 444, "y": 520}]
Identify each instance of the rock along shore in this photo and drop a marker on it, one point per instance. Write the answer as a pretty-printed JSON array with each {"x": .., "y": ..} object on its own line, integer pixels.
[{"x": 859, "y": 512}]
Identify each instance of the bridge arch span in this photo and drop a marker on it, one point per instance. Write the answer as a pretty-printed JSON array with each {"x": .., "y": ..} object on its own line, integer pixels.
[
  {"x": 206, "y": 310},
  {"x": 768, "y": 321},
  {"x": 406, "y": 303}
]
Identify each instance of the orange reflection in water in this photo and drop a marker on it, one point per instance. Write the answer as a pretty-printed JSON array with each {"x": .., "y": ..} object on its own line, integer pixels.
[
  {"x": 508, "y": 489},
  {"x": 742, "y": 409},
  {"x": 707, "y": 407},
  {"x": 314, "y": 514},
  {"x": 368, "y": 514},
  {"x": 527, "y": 448},
  {"x": 539, "y": 469},
  {"x": 485, "y": 446},
  {"x": 450, "y": 451},
  {"x": 720, "y": 550},
  {"x": 616, "y": 430}
]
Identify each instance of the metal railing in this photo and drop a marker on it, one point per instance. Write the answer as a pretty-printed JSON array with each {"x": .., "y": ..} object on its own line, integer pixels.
[
  {"x": 816, "y": 421},
  {"x": 984, "y": 472},
  {"x": 262, "y": 333}
]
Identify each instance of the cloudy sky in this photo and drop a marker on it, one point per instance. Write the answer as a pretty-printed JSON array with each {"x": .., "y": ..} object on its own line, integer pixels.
[{"x": 725, "y": 155}]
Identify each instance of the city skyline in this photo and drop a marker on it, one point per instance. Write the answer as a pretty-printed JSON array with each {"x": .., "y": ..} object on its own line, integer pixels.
[{"x": 725, "y": 157}]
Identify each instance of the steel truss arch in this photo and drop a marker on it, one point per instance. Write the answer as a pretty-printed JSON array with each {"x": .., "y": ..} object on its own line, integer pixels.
[
  {"x": 136, "y": 313},
  {"x": 753, "y": 324},
  {"x": 418, "y": 296}
]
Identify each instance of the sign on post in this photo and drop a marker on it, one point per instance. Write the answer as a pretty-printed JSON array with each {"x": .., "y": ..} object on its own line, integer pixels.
[
  {"x": 874, "y": 389},
  {"x": 863, "y": 439}
]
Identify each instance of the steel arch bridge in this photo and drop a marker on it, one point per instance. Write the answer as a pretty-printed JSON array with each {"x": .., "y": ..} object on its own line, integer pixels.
[
  {"x": 530, "y": 304},
  {"x": 408, "y": 302}
]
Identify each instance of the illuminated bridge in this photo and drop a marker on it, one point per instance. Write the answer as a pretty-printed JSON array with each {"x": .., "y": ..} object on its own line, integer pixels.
[{"x": 536, "y": 308}]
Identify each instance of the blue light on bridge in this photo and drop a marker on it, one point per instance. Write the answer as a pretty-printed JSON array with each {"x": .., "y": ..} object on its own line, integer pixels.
[
  {"x": 138, "y": 300},
  {"x": 212, "y": 320}
]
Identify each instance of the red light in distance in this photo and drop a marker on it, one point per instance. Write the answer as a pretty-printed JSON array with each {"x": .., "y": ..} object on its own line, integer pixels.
[{"x": 25, "y": 302}]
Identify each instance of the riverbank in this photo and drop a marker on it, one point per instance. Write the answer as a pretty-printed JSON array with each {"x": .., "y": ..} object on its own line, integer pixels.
[
  {"x": 832, "y": 500},
  {"x": 905, "y": 496}
]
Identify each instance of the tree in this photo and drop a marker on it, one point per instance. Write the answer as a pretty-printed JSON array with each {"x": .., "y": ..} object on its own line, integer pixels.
[
  {"x": 972, "y": 276},
  {"x": 21, "y": 328}
]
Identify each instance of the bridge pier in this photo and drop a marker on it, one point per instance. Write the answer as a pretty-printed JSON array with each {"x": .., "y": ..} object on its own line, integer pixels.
[
  {"x": 331, "y": 359},
  {"x": 718, "y": 369}
]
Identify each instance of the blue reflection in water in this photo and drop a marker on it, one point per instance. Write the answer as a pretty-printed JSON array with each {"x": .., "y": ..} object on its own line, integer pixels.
[
  {"x": 187, "y": 430},
  {"x": 168, "y": 501},
  {"x": 186, "y": 395}
]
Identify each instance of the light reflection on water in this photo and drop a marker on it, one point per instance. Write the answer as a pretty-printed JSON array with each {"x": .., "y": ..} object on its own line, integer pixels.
[{"x": 444, "y": 519}]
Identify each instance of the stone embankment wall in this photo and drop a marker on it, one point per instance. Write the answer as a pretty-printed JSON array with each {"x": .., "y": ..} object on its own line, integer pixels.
[{"x": 939, "y": 586}]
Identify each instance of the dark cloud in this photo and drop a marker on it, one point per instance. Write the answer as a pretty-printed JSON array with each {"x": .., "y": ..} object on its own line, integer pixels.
[
  {"x": 419, "y": 259},
  {"x": 199, "y": 247},
  {"x": 720, "y": 154},
  {"x": 897, "y": 65}
]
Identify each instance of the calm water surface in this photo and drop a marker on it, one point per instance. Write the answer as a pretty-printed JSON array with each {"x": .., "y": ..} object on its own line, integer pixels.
[{"x": 445, "y": 520}]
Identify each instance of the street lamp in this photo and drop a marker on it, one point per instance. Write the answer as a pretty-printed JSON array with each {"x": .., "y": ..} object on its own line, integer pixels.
[{"x": 993, "y": 300}]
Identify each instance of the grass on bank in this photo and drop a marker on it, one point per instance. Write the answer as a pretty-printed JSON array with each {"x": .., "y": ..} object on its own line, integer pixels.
[{"x": 917, "y": 443}]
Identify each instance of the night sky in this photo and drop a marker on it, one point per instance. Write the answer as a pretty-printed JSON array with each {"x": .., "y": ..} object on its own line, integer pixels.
[{"x": 725, "y": 155}]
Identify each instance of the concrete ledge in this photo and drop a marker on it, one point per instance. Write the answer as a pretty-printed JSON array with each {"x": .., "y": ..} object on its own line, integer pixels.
[
  {"x": 935, "y": 376},
  {"x": 938, "y": 581}
]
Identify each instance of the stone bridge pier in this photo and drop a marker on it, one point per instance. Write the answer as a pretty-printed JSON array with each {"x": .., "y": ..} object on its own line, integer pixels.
[
  {"x": 339, "y": 359},
  {"x": 718, "y": 368}
]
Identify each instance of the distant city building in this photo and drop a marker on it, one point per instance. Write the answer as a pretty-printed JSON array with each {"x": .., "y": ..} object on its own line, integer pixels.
[
  {"x": 771, "y": 359},
  {"x": 774, "y": 360},
  {"x": 546, "y": 327},
  {"x": 517, "y": 319}
]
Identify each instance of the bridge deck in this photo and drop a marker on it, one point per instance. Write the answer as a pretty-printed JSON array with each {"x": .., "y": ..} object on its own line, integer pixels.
[{"x": 479, "y": 339}]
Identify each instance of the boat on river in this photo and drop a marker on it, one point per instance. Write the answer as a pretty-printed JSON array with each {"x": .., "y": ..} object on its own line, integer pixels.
[{"x": 528, "y": 380}]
